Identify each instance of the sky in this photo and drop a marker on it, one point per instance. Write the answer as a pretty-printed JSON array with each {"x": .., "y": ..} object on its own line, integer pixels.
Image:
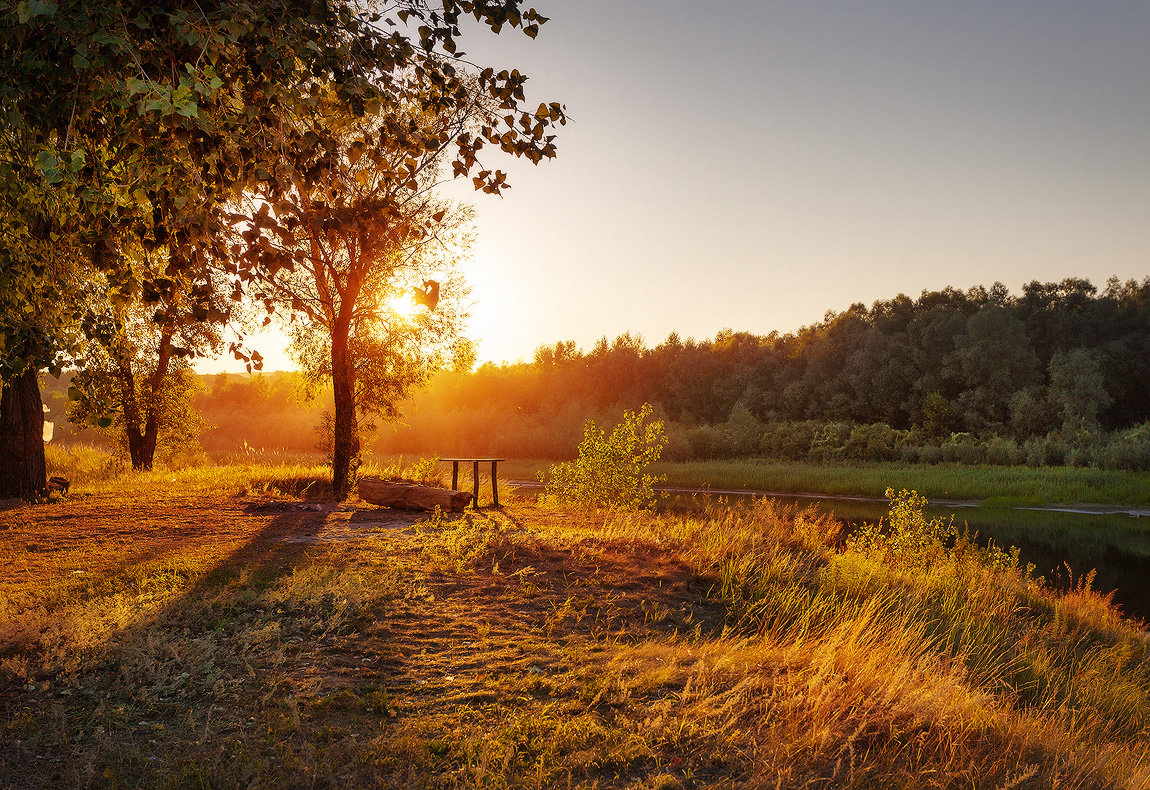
[{"x": 752, "y": 165}]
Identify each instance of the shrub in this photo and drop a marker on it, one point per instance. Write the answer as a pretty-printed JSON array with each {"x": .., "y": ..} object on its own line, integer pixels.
[
  {"x": 829, "y": 441},
  {"x": 703, "y": 440},
  {"x": 787, "y": 440},
  {"x": 908, "y": 539},
  {"x": 740, "y": 434},
  {"x": 1128, "y": 449},
  {"x": 1045, "y": 451},
  {"x": 874, "y": 442},
  {"x": 612, "y": 471},
  {"x": 1003, "y": 452}
]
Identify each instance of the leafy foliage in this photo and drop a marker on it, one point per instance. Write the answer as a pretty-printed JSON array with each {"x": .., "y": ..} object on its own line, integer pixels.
[
  {"x": 133, "y": 128},
  {"x": 908, "y": 539},
  {"x": 612, "y": 471}
]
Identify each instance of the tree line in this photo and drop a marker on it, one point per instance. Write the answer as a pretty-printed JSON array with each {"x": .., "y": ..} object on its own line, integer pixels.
[{"x": 981, "y": 375}]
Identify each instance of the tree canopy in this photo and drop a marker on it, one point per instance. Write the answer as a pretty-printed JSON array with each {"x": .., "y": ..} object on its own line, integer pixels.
[{"x": 129, "y": 128}]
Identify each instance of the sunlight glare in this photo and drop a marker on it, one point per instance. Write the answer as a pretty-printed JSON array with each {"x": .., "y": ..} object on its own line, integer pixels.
[{"x": 402, "y": 304}]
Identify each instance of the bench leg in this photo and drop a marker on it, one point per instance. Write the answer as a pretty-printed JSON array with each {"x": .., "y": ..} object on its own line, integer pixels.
[
  {"x": 455, "y": 475},
  {"x": 495, "y": 483},
  {"x": 475, "y": 482}
]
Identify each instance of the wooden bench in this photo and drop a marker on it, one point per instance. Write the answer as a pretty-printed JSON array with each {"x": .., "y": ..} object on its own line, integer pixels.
[{"x": 475, "y": 462}]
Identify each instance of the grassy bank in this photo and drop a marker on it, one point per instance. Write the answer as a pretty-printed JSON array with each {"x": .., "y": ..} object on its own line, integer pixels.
[
  {"x": 996, "y": 486},
  {"x": 999, "y": 486},
  {"x": 1007, "y": 484},
  {"x": 203, "y": 639}
]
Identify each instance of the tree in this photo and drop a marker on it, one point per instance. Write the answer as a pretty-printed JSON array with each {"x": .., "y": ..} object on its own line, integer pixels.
[
  {"x": 996, "y": 360},
  {"x": 1077, "y": 386},
  {"x": 140, "y": 381},
  {"x": 129, "y": 124},
  {"x": 357, "y": 241}
]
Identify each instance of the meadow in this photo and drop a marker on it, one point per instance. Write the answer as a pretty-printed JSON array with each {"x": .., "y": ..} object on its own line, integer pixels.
[{"x": 228, "y": 626}]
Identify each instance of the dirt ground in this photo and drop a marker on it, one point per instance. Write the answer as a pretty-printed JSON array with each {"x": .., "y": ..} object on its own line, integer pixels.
[{"x": 458, "y": 634}]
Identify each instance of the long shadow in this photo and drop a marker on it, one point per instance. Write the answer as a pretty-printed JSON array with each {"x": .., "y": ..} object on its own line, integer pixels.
[{"x": 264, "y": 557}]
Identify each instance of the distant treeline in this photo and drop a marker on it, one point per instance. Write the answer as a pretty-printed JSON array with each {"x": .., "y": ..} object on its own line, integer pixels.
[
  {"x": 239, "y": 413},
  {"x": 1057, "y": 374}
]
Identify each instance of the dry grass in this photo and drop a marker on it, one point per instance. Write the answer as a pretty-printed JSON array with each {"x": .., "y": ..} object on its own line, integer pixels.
[{"x": 223, "y": 639}]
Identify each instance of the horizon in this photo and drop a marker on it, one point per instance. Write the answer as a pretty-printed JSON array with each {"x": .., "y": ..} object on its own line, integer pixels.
[
  {"x": 225, "y": 364},
  {"x": 760, "y": 165}
]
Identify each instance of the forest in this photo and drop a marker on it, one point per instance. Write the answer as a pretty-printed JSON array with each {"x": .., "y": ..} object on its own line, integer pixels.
[{"x": 1058, "y": 374}]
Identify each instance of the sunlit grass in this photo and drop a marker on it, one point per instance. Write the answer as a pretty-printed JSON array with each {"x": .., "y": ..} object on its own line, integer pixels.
[{"x": 737, "y": 645}]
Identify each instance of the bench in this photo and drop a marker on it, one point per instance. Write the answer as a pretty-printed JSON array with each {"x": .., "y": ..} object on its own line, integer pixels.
[{"x": 475, "y": 462}]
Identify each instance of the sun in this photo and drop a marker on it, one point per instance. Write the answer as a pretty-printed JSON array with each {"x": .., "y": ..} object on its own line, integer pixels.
[{"x": 402, "y": 304}]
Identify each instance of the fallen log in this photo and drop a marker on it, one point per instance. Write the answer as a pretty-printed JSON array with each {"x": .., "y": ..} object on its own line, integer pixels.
[{"x": 409, "y": 497}]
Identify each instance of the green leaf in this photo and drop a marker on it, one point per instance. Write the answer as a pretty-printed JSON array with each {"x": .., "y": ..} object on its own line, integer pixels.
[
  {"x": 49, "y": 166},
  {"x": 34, "y": 8}
]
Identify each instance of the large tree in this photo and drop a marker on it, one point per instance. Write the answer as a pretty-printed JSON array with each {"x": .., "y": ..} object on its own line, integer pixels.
[
  {"x": 143, "y": 122},
  {"x": 338, "y": 248}
]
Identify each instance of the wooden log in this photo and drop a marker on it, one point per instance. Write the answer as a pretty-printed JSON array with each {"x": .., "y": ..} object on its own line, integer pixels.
[{"x": 409, "y": 497}]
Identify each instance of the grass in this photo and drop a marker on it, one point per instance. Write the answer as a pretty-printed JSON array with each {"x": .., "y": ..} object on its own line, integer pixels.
[
  {"x": 1004, "y": 486},
  {"x": 997, "y": 487},
  {"x": 218, "y": 636},
  {"x": 943, "y": 481}
]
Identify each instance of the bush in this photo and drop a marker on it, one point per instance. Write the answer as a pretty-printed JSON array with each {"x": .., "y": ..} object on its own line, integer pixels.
[
  {"x": 909, "y": 539},
  {"x": 612, "y": 471},
  {"x": 704, "y": 441},
  {"x": 1003, "y": 452},
  {"x": 789, "y": 441},
  {"x": 829, "y": 442},
  {"x": 1047, "y": 451},
  {"x": 874, "y": 442},
  {"x": 1128, "y": 449},
  {"x": 740, "y": 434}
]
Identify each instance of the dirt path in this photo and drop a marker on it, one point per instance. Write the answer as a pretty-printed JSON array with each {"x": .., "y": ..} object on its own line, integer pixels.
[{"x": 439, "y": 644}]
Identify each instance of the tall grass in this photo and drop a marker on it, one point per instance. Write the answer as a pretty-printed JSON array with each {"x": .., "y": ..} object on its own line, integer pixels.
[
  {"x": 954, "y": 667},
  {"x": 737, "y": 646},
  {"x": 247, "y": 471}
]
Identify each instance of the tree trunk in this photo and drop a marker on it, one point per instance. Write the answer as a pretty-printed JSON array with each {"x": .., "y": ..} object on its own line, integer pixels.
[
  {"x": 22, "y": 469},
  {"x": 345, "y": 441},
  {"x": 155, "y": 396},
  {"x": 131, "y": 408}
]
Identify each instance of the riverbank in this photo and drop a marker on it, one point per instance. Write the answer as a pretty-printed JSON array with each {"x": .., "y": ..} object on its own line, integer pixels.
[{"x": 989, "y": 486}]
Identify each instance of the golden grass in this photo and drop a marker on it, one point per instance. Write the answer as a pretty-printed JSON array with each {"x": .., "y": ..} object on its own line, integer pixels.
[{"x": 221, "y": 638}]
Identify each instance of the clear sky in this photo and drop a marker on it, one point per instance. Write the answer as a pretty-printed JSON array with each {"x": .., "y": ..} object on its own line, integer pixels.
[{"x": 753, "y": 164}]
